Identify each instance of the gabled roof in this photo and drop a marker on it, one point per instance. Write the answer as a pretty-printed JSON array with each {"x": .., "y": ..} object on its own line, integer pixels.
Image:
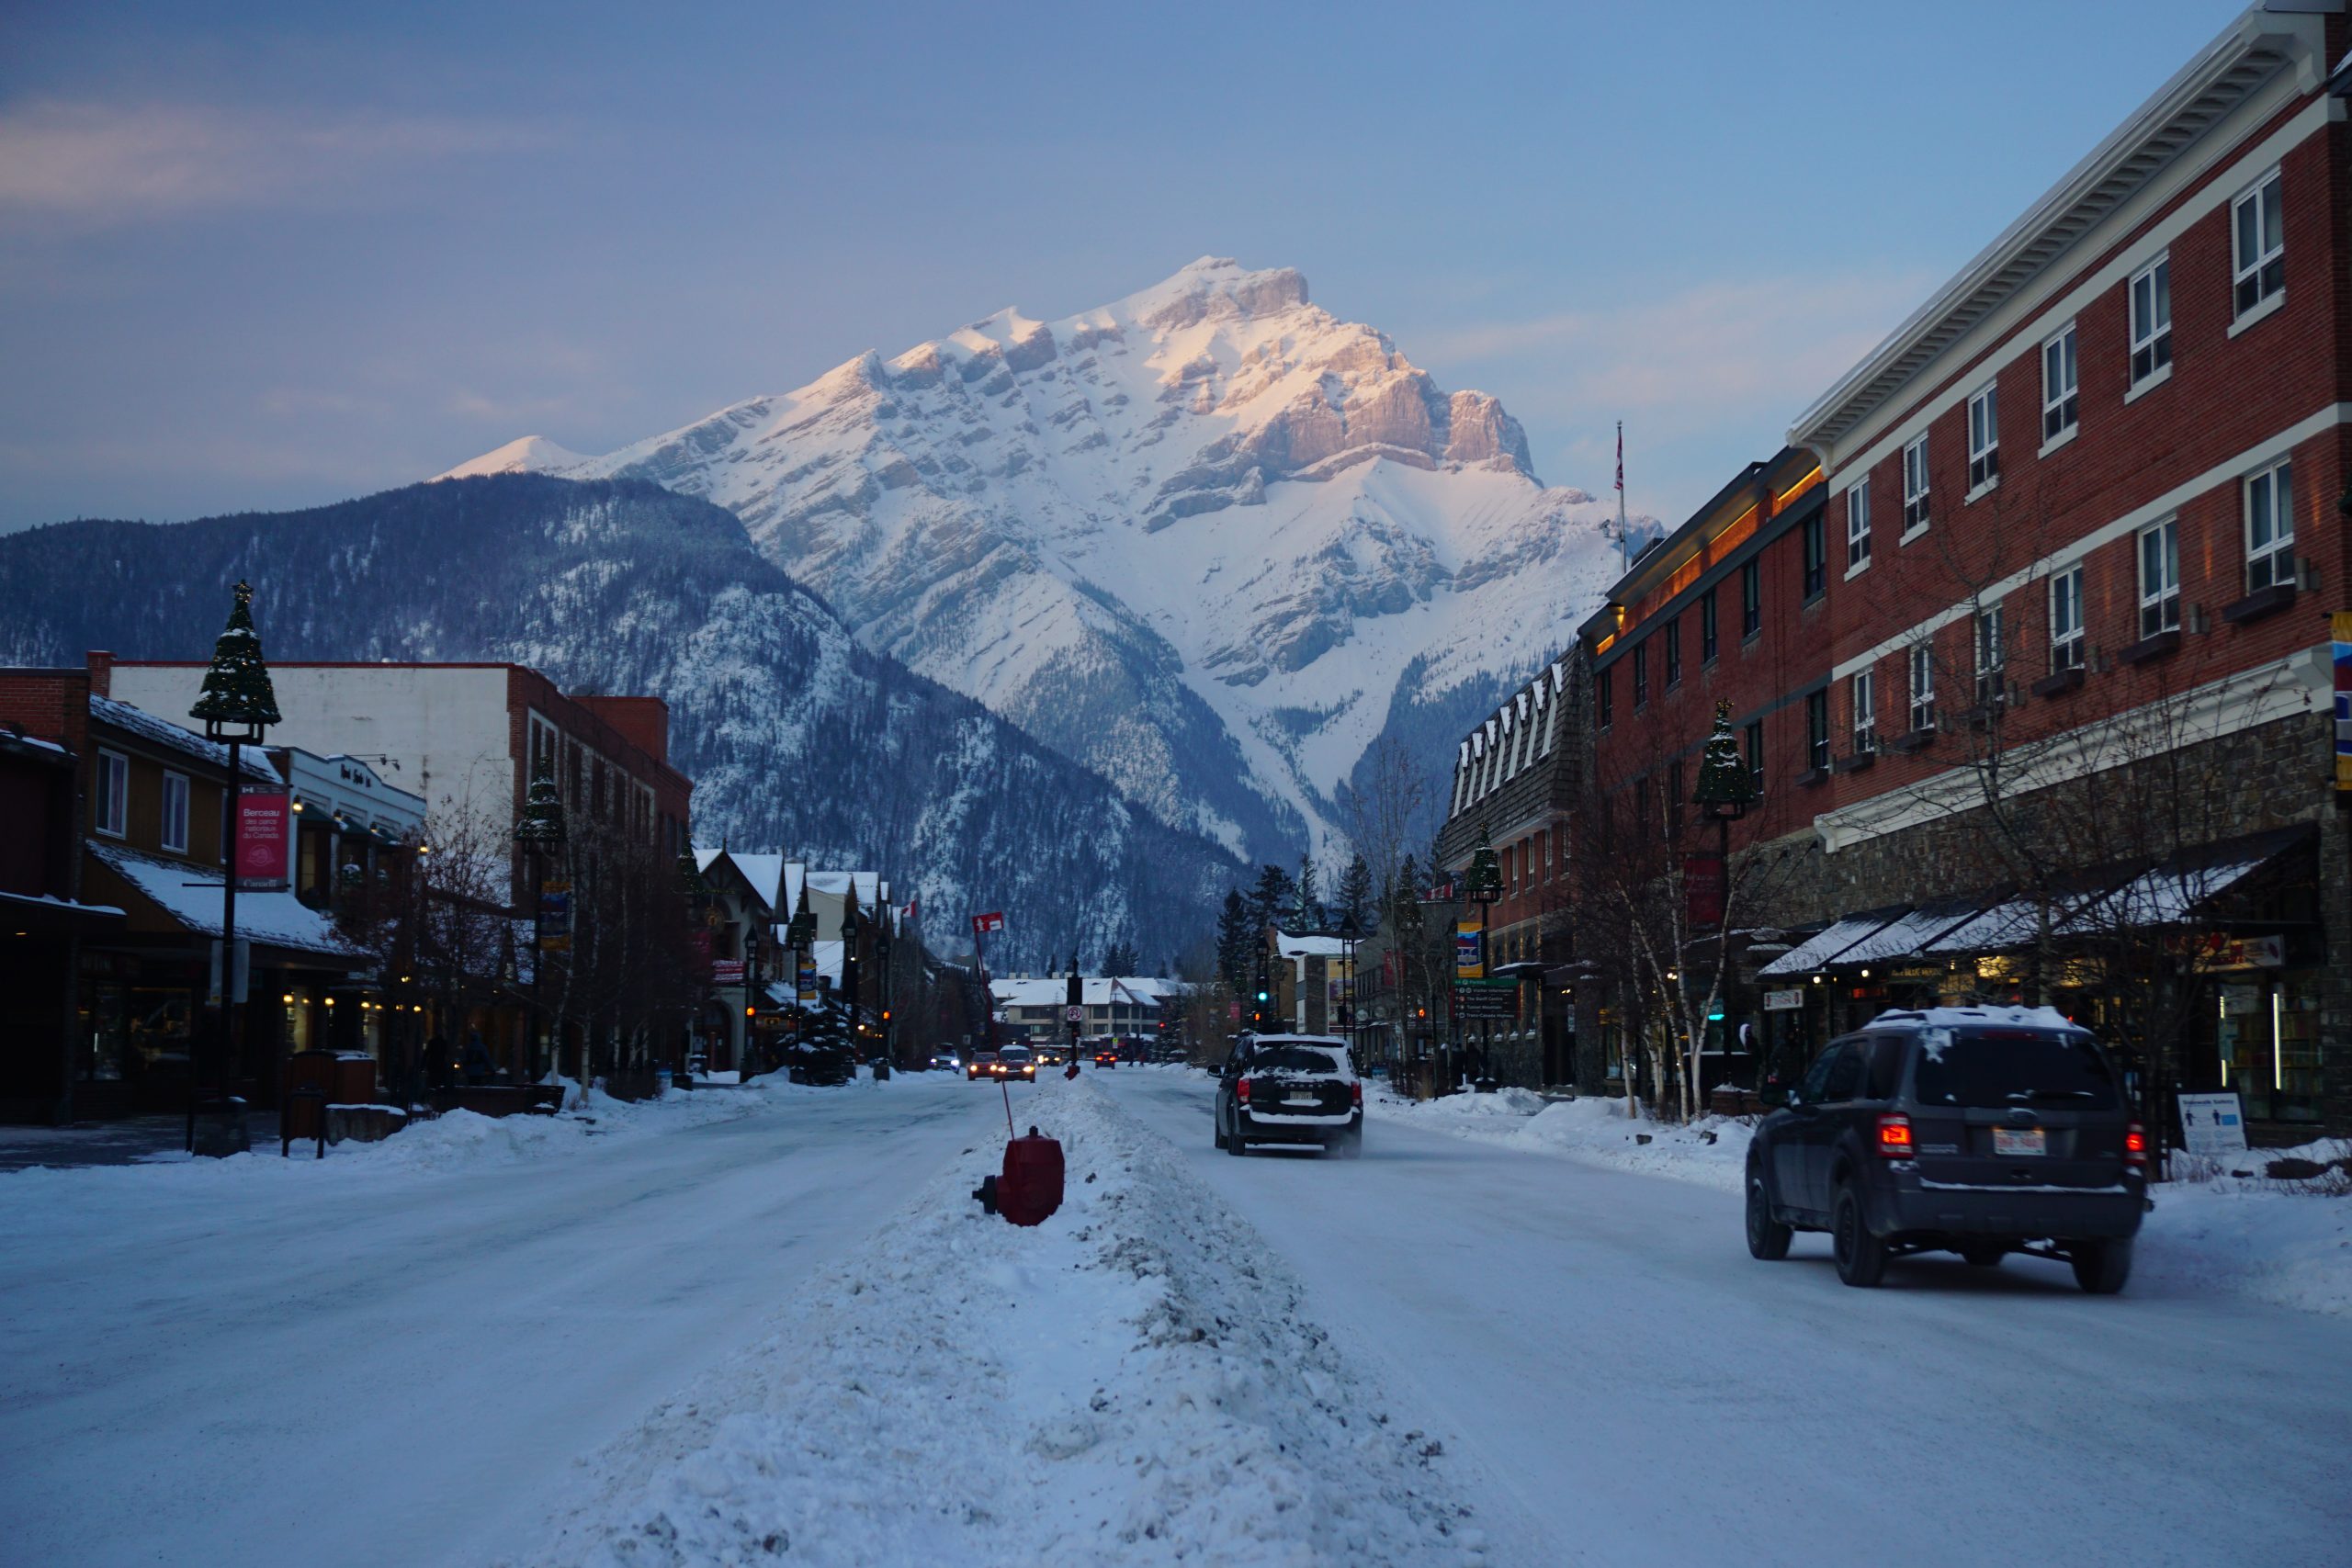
[{"x": 164, "y": 733}]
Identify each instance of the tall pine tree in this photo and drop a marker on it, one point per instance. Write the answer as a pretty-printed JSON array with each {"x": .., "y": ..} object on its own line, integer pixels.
[
  {"x": 1270, "y": 899},
  {"x": 1308, "y": 914},
  {"x": 1354, "y": 895},
  {"x": 1237, "y": 941}
]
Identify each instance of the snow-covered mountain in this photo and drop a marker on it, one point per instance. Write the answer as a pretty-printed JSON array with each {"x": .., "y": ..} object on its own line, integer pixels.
[
  {"x": 1209, "y": 540},
  {"x": 797, "y": 737}
]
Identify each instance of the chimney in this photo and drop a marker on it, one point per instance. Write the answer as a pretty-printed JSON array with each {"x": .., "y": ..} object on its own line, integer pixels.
[{"x": 101, "y": 666}]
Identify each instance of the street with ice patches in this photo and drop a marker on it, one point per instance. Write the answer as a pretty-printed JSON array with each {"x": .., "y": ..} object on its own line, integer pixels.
[{"x": 799, "y": 1340}]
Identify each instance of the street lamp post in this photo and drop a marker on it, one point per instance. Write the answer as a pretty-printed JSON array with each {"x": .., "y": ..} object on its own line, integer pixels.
[
  {"x": 1350, "y": 931},
  {"x": 849, "y": 968},
  {"x": 236, "y": 705},
  {"x": 882, "y": 953}
]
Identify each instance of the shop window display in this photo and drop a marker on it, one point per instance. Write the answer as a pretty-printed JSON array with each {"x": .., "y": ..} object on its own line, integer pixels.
[{"x": 2269, "y": 1035}]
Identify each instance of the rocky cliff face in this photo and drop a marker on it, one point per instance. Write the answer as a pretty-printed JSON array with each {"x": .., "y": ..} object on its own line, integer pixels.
[
  {"x": 797, "y": 737},
  {"x": 1208, "y": 540}
]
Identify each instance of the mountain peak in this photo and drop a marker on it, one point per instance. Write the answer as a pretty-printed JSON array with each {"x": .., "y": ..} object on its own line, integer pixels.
[
  {"x": 528, "y": 454},
  {"x": 1214, "y": 286}
]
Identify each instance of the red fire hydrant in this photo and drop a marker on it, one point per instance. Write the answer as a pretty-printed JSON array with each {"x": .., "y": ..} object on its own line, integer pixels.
[{"x": 1031, "y": 1187}]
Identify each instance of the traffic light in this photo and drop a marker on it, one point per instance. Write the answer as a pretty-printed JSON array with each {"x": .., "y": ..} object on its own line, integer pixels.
[
  {"x": 886, "y": 1015},
  {"x": 750, "y": 1012}
]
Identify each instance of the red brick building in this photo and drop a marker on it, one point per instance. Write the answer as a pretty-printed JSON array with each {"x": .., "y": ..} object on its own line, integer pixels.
[{"x": 2048, "y": 630}]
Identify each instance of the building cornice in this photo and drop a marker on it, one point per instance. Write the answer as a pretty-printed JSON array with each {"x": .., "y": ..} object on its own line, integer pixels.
[{"x": 2252, "y": 51}]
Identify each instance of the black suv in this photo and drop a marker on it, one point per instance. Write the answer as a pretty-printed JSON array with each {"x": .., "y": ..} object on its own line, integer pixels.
[
  {"x": 1290, "y": 1089},
  {"x": 1979, "y": 1131}
]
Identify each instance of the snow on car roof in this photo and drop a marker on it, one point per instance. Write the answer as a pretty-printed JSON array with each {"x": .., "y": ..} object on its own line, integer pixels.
[{"x": 1978, "y": 1017}]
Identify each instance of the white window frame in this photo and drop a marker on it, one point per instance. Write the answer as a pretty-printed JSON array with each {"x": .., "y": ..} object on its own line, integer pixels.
[
  {"x": 2159, "y": 599},
  {"x": 175, "y": 793},
  {"x": 1983, "y": 439},
  {"x": 2258, "y": 282},
  {"x": 1915, "y": 488},
  {"x": 2270, "y": 561},
  {"x": 1857, "y": 528},
  {"x": 1923, "y": 687},
  {"x": 1864, "y": 700},
  {"x": 2151, "y": 334},
  {"x": 1992, "y": 654},
  {"x": 2066, "y": 624},
  {"x": 2061, "y": 387},
  {"x": 114, "y": 794}
]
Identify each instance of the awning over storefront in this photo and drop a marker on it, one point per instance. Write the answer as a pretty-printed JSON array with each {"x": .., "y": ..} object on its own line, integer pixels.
[
  {"x": 1909, "y": 936},
  {"x": 1825, "y": 946},
  {"x": 191, "y": 898},
  {"x": 24, "y": 913}
]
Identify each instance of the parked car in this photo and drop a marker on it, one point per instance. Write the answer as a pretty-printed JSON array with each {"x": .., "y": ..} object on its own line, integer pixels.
[
  {"x": 1015, "y": 1062},
  {"x": 979, "y": 1064},
  {"x": 1290, "y": 1089},
  {"x": 1979, "y": 1131}
]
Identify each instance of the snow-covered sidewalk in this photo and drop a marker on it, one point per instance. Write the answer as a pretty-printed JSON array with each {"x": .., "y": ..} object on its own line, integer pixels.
[
  {"x": 1133, "y": 1381},
  {"x": 2286, "y": 1243}
]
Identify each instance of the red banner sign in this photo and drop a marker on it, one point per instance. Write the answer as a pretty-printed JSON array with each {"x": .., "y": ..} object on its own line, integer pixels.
[
  {"x": 262, "y": 822},
  {"x": 991, "y": 921},
  {"x": 1703, "y": 885}
]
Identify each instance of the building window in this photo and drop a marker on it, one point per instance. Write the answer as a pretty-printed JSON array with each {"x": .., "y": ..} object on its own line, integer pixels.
[
  {"x": 1673, "y": 635},
  {"x": 1865, "y": 699},
  {"x": 1984, "y": 438},
  {"x": 1604, "y": 706},
  {"x": 1816, "y": 557},
  {"x": 2067, "y": 621},
  {"x": 1857, "y": 528},
  {"x": 1751, "y": 598},
  {"x": 1991, "y": 655},
  {"x": 1816, "y": 730},
  {"x": 1755, "y": 740},
  {"x": 1923, "y": 686},
  {"x": 1641, "y": 674},
  {"x": 2258, "y": 244},
  {"x": 2151, "y": 320},
  {"x": 2061, "y": 387},
  {"x": 1915, "y": 485},
  {"x": 174, "y": 836},
  {"x": 2270, "y": 528},
  {"x": 114, "y": 794},
  {"x": 2160, "y": 578},
  {"x": 1707, "y": 627}
]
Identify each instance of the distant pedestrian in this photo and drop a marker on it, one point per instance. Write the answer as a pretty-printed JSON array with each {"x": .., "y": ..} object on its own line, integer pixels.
[{"x": 436, "y": 1061}]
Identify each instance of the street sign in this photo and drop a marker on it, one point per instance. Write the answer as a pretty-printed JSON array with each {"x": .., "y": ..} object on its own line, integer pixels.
[
  {"x": 1074, "y": 1014},
  {"x": 727, "y": 972},
  {"x": 1790, "y": 1001},
  {"x": 1486, "y": 1000}
]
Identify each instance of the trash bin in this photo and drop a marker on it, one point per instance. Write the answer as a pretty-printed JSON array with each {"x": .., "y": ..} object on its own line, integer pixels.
[{"x": 313, "y": 1070}]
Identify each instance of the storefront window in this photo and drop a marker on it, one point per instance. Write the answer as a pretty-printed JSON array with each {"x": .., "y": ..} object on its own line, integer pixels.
[
  {"x": 131, "y": 1031},
  {"x": 2269, "y": 1033}
]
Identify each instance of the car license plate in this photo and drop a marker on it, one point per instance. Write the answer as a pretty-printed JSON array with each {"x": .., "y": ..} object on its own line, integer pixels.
[
  {"x": 2019, "y": 1140},
  {"x": 1303, "y": 1097}
]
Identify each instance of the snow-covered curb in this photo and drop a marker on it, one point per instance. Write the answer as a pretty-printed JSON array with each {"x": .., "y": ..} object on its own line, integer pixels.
[
  {"x": 1589, "y": 1130},
  {"x": 1133, "y": 1381},
  {"x": 458, "y": 1140},
  {"x": 2254, "y": 1238}
]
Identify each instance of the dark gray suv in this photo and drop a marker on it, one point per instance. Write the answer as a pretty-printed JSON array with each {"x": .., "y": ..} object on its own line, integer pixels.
[{"x": 1979, "y": 1131}]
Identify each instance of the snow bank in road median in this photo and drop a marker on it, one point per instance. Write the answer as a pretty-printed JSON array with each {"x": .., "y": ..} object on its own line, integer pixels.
[{"x": 1132, "y": 1381}]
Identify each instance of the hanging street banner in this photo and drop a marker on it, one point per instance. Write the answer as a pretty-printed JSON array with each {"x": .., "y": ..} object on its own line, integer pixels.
[
  {"x": 2341, "y": 631},
  {"x": 555, "y": 917},
  {"x": 262, "y": 828},
  {"x": 1469, "y": 952},
  {"x": 805, "y": 981},
  {"x": 1704, "y": 890}
]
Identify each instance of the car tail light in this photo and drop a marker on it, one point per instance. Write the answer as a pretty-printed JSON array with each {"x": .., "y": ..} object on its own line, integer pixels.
[
  {"x": 1895, "y": 1137},
  {"x": 1242, "y": 1087},
  {"x": 1355, "y": 1093},
  {"x": 2135, "y": 1145}
]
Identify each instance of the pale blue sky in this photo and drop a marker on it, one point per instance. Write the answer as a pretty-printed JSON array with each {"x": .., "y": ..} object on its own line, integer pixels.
[{"x": 257, "y": 255}]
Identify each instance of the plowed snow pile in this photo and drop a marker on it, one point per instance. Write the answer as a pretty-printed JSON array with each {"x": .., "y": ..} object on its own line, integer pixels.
[{"x": 1132, "y": 1381}]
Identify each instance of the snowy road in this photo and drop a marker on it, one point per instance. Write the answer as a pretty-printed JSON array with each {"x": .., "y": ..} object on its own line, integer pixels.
[
  {"x": 1646, "y": 1393},
  {"x": 206, "y": 1365}
]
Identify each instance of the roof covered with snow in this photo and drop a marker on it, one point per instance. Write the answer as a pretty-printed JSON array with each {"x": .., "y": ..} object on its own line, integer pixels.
[
  {"x": 192, "y": 895},
  {"x": 172, "y": 737}
]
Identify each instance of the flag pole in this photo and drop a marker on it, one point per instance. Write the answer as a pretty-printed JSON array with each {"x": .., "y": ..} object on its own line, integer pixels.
[{"x": 1624, "y": 550}]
